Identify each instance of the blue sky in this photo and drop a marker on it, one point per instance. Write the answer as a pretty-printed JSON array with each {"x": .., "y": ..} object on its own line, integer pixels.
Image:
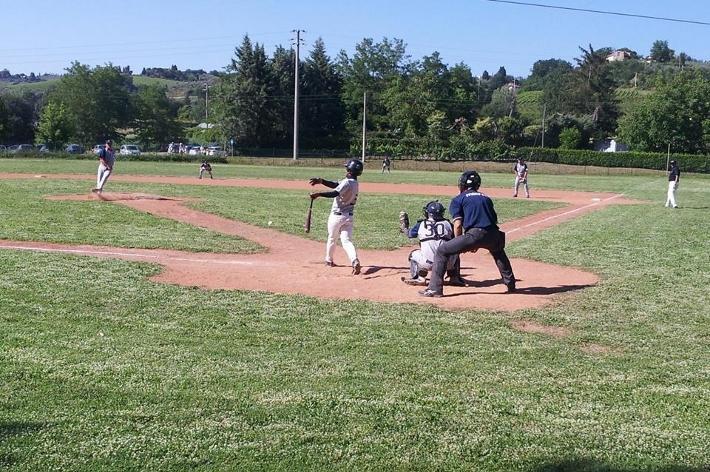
[{"x": 46, "y": 35}]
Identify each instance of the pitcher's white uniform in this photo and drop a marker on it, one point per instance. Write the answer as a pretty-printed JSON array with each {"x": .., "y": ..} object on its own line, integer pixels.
[
  {"x": 521, "y": 177},
  {"x": 341, "y": 219}
]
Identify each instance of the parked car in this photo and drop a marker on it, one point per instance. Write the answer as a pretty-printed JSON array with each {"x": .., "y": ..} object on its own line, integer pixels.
[
  {"x": 97, "y": 148},
  {"x": 75, "y": 149},
  {"x": 215, "y": 151},
  {"x": 42, "y": 148},
  {"x": 129, "y": 150},
  {"x": 3, "y": 149},
  {"x": 22, "y": 148}
]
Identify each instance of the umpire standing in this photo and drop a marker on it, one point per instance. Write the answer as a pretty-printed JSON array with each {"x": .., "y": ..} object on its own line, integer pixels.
[{"x": 475, "y": 226}]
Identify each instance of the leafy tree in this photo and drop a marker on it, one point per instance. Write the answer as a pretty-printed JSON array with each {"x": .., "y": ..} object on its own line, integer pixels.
[
  {"x": 55, "y": 126},
  {"x": 510, "y": 130},
  {"x": 4, "y": 119},
  {"x": 499, "y": 79},
  {"x": 373, "y": 67},
  {"x": 676, "y": 113},
  {"x": 99, "y": 100},
  {"x": 544, "y": 69},
  {"x": 242, "y": 97},
  {"x": 570, "y": 138},
  {"x": 281, "y": 77},
  {"x": 322, "y": 111},
  {"x": 155, "y": 120},
  {"x": 464, "y": 91},
  {"x": 19, "y": 118},
  {"x": 589, "y": 90},
  {"x": 502, "y": 104},
  {"x": 661, "y": 52}
]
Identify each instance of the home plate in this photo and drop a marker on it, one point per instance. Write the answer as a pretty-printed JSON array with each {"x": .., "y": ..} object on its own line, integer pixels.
[
  {"x": 596, "y": 199},
  {"x": 39, "y": 176}
]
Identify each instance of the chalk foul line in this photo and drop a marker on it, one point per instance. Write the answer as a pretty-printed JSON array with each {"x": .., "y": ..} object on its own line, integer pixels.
[{"x": 560, "y": 215}]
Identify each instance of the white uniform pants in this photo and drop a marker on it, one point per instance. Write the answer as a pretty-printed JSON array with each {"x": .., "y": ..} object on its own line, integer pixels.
[
  {"x": 521, "y": 180},
  {"x": 672, "y": 187},
  {"x": 340, "y": 225},
  {"x": 424, "y": 264},
  {"x": 102, "y": 176}
]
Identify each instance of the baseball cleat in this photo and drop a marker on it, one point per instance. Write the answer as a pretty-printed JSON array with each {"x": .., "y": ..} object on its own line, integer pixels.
[
  {"x": 430, "y": 293},
  {"x": 457, "y": 282},
  {"x": 356, "y": 267},
  {"x": 418, "y": 281},
  {"x": 510, "y": 288},
  {"x": 330, "y": 264}
]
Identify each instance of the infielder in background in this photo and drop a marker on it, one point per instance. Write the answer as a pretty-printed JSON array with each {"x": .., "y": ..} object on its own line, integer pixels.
[
  {"x": 475, "y": 227},
  {"x": 520, "y": 169},
  {"x": 432, "y": 231},
  {"x": 106, "y": 160},
  {"x": 205, "y": 167},
  {"x": 673, "y": 180},
  {"x": 386, "y": 164},
  {"x": 341, "y": 219}
]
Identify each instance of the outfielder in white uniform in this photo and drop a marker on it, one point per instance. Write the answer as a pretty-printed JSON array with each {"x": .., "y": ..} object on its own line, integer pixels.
[
  {"x": 341, "y": 219},
  {"x": 521, "y": 177},
  {"x": 431, "y": 232},
  {"x": 106, "y": 160},
  {"x": 673, "y": 180}
]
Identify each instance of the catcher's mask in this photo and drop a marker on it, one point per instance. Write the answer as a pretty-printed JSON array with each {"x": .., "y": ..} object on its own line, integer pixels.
[
  {"x": 469, "y": 180},
  {"x": 354, "y": 166},
  {"x": 434, "y": 210}
]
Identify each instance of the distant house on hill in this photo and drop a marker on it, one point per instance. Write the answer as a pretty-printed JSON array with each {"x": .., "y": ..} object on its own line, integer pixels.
[
  {"x": 618, "y": 56},
  {"x": 610, "y": 145}
]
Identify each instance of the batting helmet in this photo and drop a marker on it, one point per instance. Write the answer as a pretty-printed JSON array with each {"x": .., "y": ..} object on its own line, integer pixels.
[
  {"x": 354, "y": 166},
  {"x": 469, "y": 180},
  {"x": 434, "y": 210}
]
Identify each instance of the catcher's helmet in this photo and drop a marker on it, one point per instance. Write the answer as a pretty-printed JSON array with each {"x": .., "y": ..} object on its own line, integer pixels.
[
  {"x": 434, "y": 210},
  {"x": 354, "y": 166},
  {"x": 469, "y": 180}
]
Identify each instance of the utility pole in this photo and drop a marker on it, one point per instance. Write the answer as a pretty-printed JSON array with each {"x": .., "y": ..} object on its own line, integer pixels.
[
  {"x": 364, "y": 123},
  {"x": 512, "y": 103},
  {"x": 207, "y": 122},
  {"x": 295, "y": 92},
  {"x": 544, "y": 109}
]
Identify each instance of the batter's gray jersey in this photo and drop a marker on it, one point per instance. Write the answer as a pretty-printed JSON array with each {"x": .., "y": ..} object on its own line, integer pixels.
[{"x": 345, "y": 202}]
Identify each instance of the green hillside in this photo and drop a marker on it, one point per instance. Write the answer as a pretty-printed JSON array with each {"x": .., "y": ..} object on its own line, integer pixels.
[{"x": 530, "y": 102}]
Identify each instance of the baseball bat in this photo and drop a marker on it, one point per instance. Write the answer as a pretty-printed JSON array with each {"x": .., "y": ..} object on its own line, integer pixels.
[{"x": 307, "y": 225}]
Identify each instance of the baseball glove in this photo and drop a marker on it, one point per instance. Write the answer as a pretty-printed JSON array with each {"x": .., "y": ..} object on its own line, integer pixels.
[{"x": 403, "y": 222}]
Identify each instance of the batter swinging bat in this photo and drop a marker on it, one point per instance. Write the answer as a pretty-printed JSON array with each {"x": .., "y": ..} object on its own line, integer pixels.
[{"x": 307, "y": 225}]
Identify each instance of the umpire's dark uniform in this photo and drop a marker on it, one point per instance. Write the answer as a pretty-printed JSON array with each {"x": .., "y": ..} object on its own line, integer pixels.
[{"x": 480, "y": 230}]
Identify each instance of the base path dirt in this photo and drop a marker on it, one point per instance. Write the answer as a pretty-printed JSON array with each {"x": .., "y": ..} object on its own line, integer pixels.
[{"x": 295, "y": 264}]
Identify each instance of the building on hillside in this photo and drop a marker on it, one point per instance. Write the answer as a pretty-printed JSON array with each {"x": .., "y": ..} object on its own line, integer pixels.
[
  {"x": 610, "y": 145},
  {"x": 618, "y": 56}
]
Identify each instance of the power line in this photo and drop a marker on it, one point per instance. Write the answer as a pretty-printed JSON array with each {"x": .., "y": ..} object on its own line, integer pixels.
[{"x": 602, "y": 12}]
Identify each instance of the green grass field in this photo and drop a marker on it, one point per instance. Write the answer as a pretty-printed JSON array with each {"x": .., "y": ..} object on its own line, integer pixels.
[{"x": 101, "y": 369}]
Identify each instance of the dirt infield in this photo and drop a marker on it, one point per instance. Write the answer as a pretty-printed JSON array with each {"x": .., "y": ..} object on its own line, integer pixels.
[{"x": 295, "y": 265}]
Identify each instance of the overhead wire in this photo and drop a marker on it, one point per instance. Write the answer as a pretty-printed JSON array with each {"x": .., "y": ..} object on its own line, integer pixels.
[{"x": 602, "y": 12}]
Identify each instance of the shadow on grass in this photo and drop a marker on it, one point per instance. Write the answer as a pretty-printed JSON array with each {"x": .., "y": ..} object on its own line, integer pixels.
[
  {"x": 9, "y": 429},
  {"x": 594, "y": 465}
]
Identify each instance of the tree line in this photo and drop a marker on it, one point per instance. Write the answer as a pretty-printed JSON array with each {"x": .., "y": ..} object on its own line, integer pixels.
[{"x": 420, "y": 107}]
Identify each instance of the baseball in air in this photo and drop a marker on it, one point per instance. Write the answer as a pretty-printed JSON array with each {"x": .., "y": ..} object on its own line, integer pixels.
[{"x": 269, "y": 223}]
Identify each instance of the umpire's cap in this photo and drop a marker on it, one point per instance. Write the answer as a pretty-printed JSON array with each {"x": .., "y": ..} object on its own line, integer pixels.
[{"x": 469, "y": 180}]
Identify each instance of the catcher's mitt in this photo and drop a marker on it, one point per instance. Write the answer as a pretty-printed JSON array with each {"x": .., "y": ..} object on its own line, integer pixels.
[{"x": 403, "y": 222}]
